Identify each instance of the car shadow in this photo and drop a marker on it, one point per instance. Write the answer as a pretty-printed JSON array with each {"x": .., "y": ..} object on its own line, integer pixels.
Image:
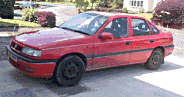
[{"x": 89, "y": 77}]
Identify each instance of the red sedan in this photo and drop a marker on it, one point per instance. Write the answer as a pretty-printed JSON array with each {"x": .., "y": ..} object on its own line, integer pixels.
[{"x": 89, "y": 41}]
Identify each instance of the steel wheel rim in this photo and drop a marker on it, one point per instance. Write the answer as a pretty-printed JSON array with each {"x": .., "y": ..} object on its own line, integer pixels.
[
  {"x": 71, "y": 70},
  {"x": 156, "y": 59}
]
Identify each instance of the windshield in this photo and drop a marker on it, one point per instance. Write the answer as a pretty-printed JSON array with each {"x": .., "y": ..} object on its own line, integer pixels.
[{"x": 87, "y": 23}]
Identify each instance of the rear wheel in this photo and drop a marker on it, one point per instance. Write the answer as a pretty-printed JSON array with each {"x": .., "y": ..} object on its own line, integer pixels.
[
  {"x": 155, "y": 60},
  {"x": 69, "y": 71}
]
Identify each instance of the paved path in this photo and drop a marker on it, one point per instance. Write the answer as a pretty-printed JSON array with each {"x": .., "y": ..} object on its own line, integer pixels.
[
  {"x": 125, "y": 81},
  {"x": 63, "y": 12}
]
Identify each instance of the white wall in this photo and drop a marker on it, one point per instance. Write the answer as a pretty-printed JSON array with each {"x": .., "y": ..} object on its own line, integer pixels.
[{"x": 146, "y": 5}]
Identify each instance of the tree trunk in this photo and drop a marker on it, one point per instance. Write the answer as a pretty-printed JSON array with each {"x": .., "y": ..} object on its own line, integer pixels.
[{"x": 91, "y": 6}]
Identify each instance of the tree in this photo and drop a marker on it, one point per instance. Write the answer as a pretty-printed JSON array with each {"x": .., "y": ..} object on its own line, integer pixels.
[
  {"x": 169, "y": 12},
  {"x": 92, "y": 1},
  {"x": 103, "y": 3},
  {"x": 116, "y": 4},
  {"x": 7, "y": 9},
  {"x": 81, "y": 4}
]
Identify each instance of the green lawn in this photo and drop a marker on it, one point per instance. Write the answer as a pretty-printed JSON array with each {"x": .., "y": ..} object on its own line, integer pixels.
[
  {"x": 20, "y": 23},
  {"x": 57, "y": 2},
  {"x": 146, "y": 15}
]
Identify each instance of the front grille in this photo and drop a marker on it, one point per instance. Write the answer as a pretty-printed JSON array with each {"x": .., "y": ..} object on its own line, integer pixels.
[{"x": 17, "y": 47}]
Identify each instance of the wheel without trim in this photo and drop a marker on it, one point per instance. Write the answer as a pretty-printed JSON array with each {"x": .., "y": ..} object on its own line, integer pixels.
[
  {"x": 155, "y": 60},
  {"x": 69, "y": 71}
]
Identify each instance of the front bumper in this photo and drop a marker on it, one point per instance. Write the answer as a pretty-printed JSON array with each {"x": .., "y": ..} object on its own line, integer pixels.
[{"x": 31, "y": 67}]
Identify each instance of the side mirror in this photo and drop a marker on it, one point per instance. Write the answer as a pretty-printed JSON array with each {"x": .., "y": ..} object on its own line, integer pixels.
[{"x": 106, "y": 35}]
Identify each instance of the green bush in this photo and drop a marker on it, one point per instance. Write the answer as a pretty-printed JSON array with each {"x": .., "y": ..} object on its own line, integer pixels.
[
  {"x": 29, "y": 14},
  {"x": 141, "y": 10},
  {"x": 83, "y": 9},
  {"x": 103, "y": 3},
  {"x": 124, "y": 10},
  {"x": 7, "y": 9},
  {"x": 116, "y": 4}
]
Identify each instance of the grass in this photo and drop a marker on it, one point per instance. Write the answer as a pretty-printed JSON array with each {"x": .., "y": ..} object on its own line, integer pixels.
[
  {"x": 70, "y": 3},
  {"x": 20, "y": 23},
  {"x": 146, "y": 15}
]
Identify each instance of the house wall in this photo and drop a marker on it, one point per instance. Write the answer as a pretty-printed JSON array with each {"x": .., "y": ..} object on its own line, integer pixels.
[{"x": 148, "y": 5}]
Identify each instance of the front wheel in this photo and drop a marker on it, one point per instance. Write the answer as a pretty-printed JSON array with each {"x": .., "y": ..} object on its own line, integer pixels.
[
  {"x": 70, "y": 71},
  {"x": 155, "y": 60}
]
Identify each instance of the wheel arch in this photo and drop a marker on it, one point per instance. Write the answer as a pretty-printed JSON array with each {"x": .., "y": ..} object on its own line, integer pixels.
[
  {"x": 162, "y": 48},
  {"x": 77, "y": 54}
]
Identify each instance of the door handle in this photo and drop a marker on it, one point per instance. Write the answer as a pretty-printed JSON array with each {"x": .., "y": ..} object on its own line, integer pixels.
[
  {"x": 127, "y": 43},
  {"x": 151, "y": 40}
]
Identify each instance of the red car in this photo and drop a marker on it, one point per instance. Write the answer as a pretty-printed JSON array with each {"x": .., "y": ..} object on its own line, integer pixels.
[{"x": 89, "y": 41}]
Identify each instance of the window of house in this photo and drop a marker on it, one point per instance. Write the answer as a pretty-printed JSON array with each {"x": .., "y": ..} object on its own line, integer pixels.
[
  {"x": 141, "y": 3},
  {"x": 136, "y": 3},
  {"x": 140, "y": 27}
]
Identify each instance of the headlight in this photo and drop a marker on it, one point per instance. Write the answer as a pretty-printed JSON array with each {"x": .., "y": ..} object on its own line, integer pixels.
[
  {"x": 32, "y": 52},
  {"x": 10, "y": 41}
]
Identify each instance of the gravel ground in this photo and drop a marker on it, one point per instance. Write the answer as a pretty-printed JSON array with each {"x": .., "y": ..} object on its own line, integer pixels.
[{"x": 3, "y": 42}]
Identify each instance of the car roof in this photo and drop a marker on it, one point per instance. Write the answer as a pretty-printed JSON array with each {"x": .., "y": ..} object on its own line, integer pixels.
[{"x": 112, "y": 14}]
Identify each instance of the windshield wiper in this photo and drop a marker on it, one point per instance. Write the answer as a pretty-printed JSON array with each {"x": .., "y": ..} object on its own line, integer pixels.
[{"x": 75, "y": 30}]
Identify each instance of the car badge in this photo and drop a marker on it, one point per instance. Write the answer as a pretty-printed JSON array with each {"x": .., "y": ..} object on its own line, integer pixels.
[{"x": 15, "y": 46}]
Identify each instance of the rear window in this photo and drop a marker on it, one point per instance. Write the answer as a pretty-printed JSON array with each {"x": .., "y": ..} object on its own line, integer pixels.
[{"x": 154, "y": 29}]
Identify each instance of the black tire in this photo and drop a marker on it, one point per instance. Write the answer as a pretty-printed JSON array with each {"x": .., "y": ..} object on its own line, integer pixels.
[
  {"x": 155, "y": 60},
  {"x": 63, "y": 75}
]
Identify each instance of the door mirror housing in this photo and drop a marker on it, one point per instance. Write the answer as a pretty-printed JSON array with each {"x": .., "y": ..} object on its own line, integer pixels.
[{"x": 106, "y": 35}]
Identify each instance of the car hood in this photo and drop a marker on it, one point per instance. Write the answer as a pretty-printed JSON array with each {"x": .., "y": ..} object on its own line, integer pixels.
[{"x": 49, "y": 38}]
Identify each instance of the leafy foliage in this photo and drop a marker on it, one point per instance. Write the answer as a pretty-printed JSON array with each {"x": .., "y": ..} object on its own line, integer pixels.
[
  {"x": 116, "y": 4},
  {"x": 7, "y": 9},
  {"x": 124, "y": 9},
  {"x": 141, "y": 10},
  {"x": 81, "y": 3},
  {"x": 169, "y": 12},
  {"x": 29, "y": 14},
  {"x": 103, "y": 3},
  {"x": 92, "y": 1},
  {"x": 46, "y": 19},
  {"x": 102, "y": 9}
]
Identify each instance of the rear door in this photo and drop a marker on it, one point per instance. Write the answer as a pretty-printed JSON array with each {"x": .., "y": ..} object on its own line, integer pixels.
[
  {"x": 113, "y": 52},
  {"x": 143, "y": 41}
]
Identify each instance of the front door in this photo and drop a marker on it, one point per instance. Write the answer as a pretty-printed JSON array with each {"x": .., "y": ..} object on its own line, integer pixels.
[{"x": 116, "y": 51}]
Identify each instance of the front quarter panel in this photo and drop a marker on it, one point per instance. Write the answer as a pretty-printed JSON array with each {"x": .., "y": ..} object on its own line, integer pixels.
[{"x": 85, "y": 48}]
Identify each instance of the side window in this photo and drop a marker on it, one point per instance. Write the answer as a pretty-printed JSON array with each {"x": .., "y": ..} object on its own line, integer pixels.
[
  {"x": 118, "y": 27},
  {"x": 140, "y": 27},
  {"x": 154, "y": 29}
]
